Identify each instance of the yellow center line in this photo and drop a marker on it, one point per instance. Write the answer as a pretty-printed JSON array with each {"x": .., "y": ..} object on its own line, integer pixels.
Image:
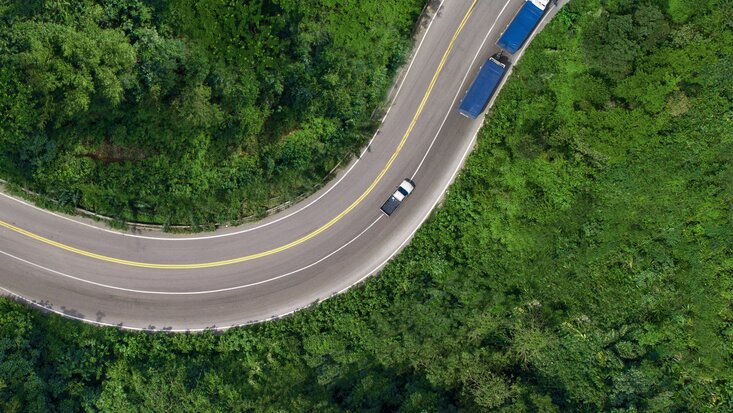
[{"x": 299, "y": 241}]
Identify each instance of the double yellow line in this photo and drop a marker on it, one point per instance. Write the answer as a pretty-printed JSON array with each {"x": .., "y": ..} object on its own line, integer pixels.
[{"x": 292, "y": 244}]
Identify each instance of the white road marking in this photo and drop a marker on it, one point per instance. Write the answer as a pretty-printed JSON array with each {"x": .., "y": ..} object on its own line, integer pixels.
[
  {"x": 461, "y": 88},
  {"x": 220, "y": 290},
  {"x": 368, "y": 274},
  {"x": 333, "y": 186},
  {"x": 320, "y": 260}
]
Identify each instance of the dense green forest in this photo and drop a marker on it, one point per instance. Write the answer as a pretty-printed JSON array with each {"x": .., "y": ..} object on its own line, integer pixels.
[
  {"x": 190, "y": 111},
  {"x": 582, "y": 262}
]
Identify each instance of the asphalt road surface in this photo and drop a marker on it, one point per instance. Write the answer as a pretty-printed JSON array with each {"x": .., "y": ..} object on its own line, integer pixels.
[{"x": 307, "y": 253}]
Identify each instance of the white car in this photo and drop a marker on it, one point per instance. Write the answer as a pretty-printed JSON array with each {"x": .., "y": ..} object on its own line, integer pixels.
[{"x": 402, "y": 192}]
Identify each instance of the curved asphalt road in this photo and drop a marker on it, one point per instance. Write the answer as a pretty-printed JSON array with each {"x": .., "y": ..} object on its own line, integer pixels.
[{"x": 311, "y": 251}]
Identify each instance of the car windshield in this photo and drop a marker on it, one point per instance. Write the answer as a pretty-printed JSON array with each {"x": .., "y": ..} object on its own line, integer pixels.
[{"x": 402, "y": 191}]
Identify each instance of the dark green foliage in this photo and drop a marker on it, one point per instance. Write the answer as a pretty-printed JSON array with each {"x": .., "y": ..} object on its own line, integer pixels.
[
  {"x": 21, "y": 387},
  {"x": 190, "y": 111},
  {"x": 582, "y": 262}
]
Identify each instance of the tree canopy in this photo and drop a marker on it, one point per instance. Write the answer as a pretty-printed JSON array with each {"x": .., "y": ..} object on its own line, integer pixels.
[
  {"x": 581, "y": 262},
  {"x": 190, "y": 112}
]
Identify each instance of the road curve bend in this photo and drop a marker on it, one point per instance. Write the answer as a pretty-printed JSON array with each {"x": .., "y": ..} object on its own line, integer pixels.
[{"x": 315, "y": 249}]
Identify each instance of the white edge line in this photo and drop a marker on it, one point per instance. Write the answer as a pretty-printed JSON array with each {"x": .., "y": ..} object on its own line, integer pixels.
[
  {"x": 463, "y": 82},
  {"x": 283, "y": 315},
  {"x": 220, "y": 290},
  {"x": 460, "y": 164},
  {"x": 333, "y": 186},
  {"x": 121, "y": 324},
  {"x": 440, "y": 198}
]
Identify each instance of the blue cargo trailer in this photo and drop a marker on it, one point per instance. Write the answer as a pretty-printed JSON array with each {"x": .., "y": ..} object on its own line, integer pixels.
[
  {"x": 483, "y": 87},
  {"x": 522, "y": 25}
]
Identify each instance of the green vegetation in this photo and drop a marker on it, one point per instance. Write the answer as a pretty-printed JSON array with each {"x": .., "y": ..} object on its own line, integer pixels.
[
  {"x": 582, "y": 262},
  {"x": 190, "y": 111}
]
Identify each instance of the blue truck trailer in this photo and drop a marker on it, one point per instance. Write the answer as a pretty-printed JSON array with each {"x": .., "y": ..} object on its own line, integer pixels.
[
  {"x": 522, "y": 25},
  {"x": 483, "y": 87}
]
